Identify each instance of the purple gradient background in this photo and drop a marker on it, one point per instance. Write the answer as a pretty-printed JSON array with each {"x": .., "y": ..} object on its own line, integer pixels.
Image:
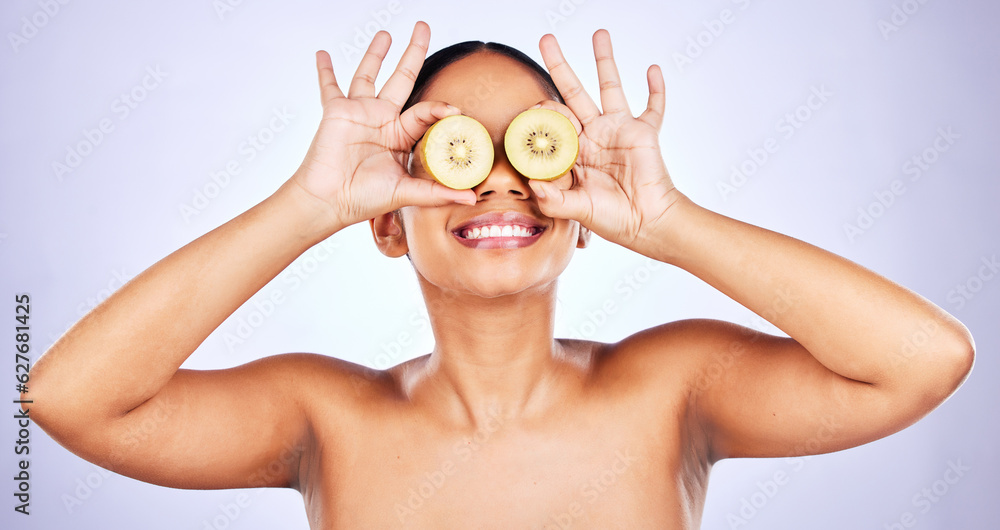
[{"x": 66, "y": 240}]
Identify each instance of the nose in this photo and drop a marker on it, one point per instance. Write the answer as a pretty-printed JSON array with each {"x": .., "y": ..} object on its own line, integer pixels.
[{"x": 503, "y": 180}]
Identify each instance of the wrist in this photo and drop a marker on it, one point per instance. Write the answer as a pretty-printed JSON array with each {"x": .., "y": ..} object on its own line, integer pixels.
[
  {"x": 313, "y": 217},
  {"x": 666, "y": 238}
]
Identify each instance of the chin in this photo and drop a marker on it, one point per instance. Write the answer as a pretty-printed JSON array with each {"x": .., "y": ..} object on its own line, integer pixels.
[
  {"x": 496, "y": 285},
  {"x": 509, "y": 273},
  {"x": 507, "y": 288}
]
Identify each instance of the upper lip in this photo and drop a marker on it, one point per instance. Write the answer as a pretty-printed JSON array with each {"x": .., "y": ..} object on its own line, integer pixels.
[{"x": 499, "y": 217}]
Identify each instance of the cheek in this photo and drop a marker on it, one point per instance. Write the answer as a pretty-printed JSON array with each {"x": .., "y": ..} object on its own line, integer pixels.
[
  {"x": 415, "y": 168},
  {"x": 572, "y": 230},
  {"x": 424, "y": 231},
  {"x": 566, "y": 181}
]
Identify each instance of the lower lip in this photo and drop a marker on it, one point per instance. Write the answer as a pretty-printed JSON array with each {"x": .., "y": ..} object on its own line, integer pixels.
[{"x": 498, "y": 242}]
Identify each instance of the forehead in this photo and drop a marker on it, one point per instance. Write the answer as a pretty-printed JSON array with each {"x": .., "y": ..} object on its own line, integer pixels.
[{"x": 489, "y": 87}]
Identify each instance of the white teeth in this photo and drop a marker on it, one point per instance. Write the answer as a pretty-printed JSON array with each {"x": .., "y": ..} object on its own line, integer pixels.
[{"x": 498, "y": 231}]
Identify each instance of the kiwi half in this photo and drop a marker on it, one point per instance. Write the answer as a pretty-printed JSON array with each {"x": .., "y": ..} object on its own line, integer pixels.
[
  {"x": 541, "y": 144},
  {"x": 457, "y": 152}
]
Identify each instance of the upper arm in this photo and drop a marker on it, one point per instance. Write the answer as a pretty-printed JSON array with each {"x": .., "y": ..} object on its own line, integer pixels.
[
  {"x": 246, "y": 426},
  {"x": 758, "y": 395}
]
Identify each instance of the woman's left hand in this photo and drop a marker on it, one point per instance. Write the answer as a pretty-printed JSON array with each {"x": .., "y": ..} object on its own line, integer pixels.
[{"x": 622, "y": 191}]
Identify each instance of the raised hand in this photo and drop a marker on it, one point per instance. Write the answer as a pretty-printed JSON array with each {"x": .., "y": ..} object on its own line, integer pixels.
[
  {"x": 356, "y": 164},
  {"x": 622, "y": 189}
]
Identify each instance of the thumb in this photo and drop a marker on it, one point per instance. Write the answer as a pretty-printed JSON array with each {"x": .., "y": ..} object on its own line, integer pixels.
[
  {"x": 424, "y": 192},
  {"x": 565, "y": 204}
]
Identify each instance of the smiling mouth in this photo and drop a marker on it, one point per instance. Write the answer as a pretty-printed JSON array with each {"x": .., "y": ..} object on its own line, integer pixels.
[
  {"x": 494, "y": 231},
  {"x": 504, "y": 229},
  {"x": 498, "y": 236}
]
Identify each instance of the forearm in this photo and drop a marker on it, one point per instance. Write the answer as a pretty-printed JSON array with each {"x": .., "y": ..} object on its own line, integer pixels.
[
  {"x": 855, "y": 322},
  {"x": 128, "y": 347}
]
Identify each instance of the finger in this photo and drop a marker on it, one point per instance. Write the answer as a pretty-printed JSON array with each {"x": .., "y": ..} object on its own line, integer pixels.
[
  {"x": 653, "y": 114},
  {"x": 419, "y": 117},
  {"x": 400, "y": 83},
  {"x": 554, "y": 202},
  {"x": 566, "y": 81},
  {"x": 612, "y": 96},
  {"x": 328, "y": 88},
  {"x": 363, "y": 84},
  {"x": 412, "y": 191},
  {"x": 562, "y": 109}
]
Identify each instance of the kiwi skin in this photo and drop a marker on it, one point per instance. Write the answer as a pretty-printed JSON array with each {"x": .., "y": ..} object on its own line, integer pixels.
[
  {"x": 467, "y": 130},
  {"x": 522, "y": 151}
]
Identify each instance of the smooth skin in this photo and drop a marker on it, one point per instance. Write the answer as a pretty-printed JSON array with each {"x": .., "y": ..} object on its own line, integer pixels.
[{"x": 501, "y": 425}]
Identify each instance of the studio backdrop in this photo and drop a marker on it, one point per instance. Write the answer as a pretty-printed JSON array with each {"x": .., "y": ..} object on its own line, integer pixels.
[{"x": 865, "y": 127}]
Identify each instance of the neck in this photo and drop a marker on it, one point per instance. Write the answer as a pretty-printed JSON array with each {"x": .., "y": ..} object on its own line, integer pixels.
[{"x": 492, "y": 356}]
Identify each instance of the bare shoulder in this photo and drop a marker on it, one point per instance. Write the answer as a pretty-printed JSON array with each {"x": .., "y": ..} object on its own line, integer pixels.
[
  {"x": 656, "y": 374},
  {"x": 326, "y": 377},
  {"x": 333, "y": 394},
  {"x": 677, "y": 352}
]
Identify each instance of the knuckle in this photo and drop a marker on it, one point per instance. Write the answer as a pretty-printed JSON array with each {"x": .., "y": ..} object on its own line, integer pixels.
[
  {"x": 573, "y": 92},
  {"x": 408, "y": 73}
]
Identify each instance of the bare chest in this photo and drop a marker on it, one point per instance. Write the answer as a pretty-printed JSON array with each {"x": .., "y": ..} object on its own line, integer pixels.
[{"x": 577, "y": 471}]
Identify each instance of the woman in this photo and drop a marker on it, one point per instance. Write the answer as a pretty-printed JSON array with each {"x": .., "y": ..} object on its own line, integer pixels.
[{"x": 501, "y": 425}]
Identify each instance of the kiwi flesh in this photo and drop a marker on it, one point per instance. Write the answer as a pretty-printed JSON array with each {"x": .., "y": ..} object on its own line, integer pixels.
[
  {"x": 457, "y": 152},
  {"x": 541, "y": 144}
]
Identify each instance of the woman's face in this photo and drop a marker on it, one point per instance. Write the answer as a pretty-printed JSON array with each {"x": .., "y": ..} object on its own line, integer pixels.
[{"x": 493, "y": 89}]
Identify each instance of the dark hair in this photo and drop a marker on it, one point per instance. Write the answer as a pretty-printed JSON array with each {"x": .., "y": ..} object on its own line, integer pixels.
[{"x": 445, "y": 56}]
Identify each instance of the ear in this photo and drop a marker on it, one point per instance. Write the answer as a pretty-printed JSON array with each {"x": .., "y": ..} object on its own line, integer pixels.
[
  {"x": 387, "y": 229},
  {"x": 584, "y": 238}
]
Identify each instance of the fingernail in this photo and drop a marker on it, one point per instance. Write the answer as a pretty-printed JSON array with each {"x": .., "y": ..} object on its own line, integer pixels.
[{"x": 539, "y": 190}]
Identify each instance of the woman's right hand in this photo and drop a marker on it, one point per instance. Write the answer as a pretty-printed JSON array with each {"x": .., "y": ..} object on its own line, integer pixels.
[{"x": 356, "y": 165}]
